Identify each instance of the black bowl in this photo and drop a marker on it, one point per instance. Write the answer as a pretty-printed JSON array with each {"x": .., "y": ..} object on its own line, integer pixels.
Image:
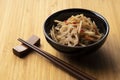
[{"x": 62, "y": 15}]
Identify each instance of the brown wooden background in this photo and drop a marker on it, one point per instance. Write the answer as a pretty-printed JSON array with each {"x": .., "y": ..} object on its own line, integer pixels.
[{"x": 23, "y": 18}]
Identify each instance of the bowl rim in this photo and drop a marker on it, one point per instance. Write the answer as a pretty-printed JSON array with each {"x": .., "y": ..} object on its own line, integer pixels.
[{"x": 91, "y": 11}]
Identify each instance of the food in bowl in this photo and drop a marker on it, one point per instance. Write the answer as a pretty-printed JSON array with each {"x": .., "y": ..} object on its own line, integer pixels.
[{"x": 77, "y": 30}]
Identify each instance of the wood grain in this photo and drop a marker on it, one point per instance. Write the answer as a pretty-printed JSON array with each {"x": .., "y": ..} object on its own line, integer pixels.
[{"x": 23, "y": 18}]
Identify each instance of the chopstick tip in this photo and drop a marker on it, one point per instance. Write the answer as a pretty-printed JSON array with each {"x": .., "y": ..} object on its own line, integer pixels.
[{"x": 19, "y": 39}]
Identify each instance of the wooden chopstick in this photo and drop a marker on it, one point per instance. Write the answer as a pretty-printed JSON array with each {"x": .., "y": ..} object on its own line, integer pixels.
[{"x": 75, "y": 72}]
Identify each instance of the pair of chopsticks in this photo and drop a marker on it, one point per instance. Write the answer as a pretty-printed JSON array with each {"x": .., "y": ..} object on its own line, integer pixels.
[{"x": 63, "y": 65}]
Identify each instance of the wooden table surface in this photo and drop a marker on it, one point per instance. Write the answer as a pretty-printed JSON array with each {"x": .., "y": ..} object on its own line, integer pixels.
[{"x": 23, "y": 18}]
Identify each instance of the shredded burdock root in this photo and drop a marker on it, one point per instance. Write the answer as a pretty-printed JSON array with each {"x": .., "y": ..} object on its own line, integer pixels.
[{"x": 75, "y": 31}]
